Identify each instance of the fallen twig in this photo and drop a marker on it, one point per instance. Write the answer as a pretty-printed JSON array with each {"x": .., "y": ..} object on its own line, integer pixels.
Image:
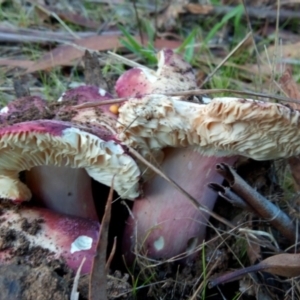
[
  {"x": 191, "y": 93},
  {"x": 262, "y": 206},
  {"x": 230, "y": 196}
]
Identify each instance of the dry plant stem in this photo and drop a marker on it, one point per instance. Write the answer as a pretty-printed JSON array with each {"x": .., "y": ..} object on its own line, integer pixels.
[
  {"x": 74, "y": 293},
  {"x": 230, "y": 196},
  {"x": 98, "y": 278},
  {"x": 111, "y": 255},
  {"x": 234, "y": 275},
  {"x": 172, "y": 182},
  {"x": 209, "y": 76},
  {"x": 190, "y": 93},
  {"x": 259, "y": 204}
]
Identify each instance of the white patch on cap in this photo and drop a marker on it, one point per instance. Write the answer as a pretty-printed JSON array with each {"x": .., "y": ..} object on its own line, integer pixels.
[
  {"x": 4, "y": 110},
  {"x": 61, "y": 97},
  {"x": 83, "y": 242},
  {"x": 206, "y": 100},
  {"x": 159, "y": 243},
  {"x": 150, "y": 74},
  {"x": 190, "y": 166},
  {"x": 102, "y": 92}
]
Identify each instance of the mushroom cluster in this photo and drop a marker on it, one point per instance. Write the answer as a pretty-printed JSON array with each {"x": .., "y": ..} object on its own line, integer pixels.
[{"x": 62, "y": 148}]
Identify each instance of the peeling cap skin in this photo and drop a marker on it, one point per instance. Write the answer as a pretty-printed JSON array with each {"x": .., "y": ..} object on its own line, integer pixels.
[
  {"x": 173, "y": 75},
  {"x": 225, "y": 126},
  {"x": 56, "y": 143},
  {"x": 66, "y": 237}
]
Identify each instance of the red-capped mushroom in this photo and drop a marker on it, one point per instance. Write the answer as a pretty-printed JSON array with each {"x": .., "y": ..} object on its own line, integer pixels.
[
  {"x": 66, "y": 147},
  {"x": 163, "y": 223},
  {"x": 25, "y": 230},
  {"x": 225, "y": 126},
  {"x": 45, "y": 181},
  {"x": 173, "y": 74}
]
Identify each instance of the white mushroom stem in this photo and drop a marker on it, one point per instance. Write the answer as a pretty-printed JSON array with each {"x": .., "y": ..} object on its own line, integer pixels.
[{"x": 225, "y": 126}]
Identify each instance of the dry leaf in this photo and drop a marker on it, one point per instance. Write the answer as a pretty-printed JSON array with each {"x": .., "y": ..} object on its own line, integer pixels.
[
  {"x": 291, "y": 88},
  {"x": 282, "y": 51},
  {"x": 199, "y": 9},
  {"x": 287, "y": 265},
  {"x": 65, "y": 55},
  {"x": 16, "y": 63}
]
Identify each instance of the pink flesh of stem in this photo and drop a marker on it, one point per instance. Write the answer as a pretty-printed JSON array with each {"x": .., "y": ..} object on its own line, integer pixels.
[
  {"x": 166, "y": 222},
  {"x": 62, "y": 189},
  {"x": 69, "y": 237}
]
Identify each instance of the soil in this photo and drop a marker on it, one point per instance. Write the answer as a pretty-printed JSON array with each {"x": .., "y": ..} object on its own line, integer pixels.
[{"x": 30, "y": 272}]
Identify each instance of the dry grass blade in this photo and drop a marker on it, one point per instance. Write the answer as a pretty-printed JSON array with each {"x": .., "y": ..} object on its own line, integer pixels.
[
  {"x": 191, "y": 93},
  {"x": 262, "y": 206},
  {"x": 74, "y": 293},
  {"x": 209, "y": 76},
  {"x": 112, "y": 254},
  {"x": 98, "y": 279}
]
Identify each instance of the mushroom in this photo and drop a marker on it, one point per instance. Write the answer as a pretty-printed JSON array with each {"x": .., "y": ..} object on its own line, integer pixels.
[
  {"x": 173, "y": 75},
  {"x": 83, "y": 139},
  {"x": 40, "y": 234},
  {"x": 225, "y": 126},
  {"x": 163, "y": 223},
  {"x": 45, "y": 181},
  {"x": 50, "y": 142},
  {"x": 42, "y": 138}
]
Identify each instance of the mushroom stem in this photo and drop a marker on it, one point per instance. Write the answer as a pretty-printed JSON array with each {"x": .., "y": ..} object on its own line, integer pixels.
[
  {"x": 225, "y": 126},
  {"x": 53, "y": 185},
  {"x": 164, "y": 223}
]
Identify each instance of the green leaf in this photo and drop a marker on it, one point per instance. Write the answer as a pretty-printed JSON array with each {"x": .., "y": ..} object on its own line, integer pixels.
[{"x": 234, "y": 12}]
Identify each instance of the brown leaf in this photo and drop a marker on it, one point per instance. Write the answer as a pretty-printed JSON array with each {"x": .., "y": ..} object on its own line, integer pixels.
[
  {"x": 15, "y": 63},
  {"x": 71, "y": 17},
  {"x": 287, "y": 265},
  {"x": 284, "y": 51},
  {"x": 290, "y": 87},
  {"x": 199, "y": 9},
  {"x": 64, "y": 55}
]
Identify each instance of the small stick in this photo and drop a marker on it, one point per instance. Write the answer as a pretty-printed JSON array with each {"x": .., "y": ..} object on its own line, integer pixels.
[
  {"x": 262, "y": 206},
  {"x": 190, "y": 93}
]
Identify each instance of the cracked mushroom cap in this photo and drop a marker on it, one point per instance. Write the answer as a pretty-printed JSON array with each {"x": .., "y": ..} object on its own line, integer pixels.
[
  {"x": 225, "y": 126},
  {"x": 173, "y": 75},
  {"x": 49, "y": 142}
]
